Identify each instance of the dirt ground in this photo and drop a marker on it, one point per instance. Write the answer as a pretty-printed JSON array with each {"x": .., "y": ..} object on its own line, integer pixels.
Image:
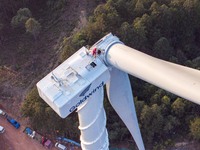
[
  {"x": 13, "y": 89},
  {"x": 15, "y": 139}
]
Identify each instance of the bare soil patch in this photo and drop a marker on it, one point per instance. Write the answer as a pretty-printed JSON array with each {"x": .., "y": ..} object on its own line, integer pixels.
[{"x": 15, "y": 139}]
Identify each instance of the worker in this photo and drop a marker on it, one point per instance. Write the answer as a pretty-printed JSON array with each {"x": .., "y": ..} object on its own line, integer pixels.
[{"x": 94, "y": 52}]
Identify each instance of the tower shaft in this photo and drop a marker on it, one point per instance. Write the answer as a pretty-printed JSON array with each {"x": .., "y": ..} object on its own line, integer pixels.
[{"x": 92, "y": 123}]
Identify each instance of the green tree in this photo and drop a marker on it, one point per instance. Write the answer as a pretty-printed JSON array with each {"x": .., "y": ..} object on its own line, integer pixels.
[
  {"x": 176, "y": 3},
  {"x": 34, "y": 107},
  {"x": 165, "y": 100},
  {"x": 191, "y": 5},
  {"x": 157, "y": 96},
  {"x": 78, "y": 39},
  {"x": 139, "y": 8},
  {"x": 154, "y": 8},
  {"x": 140, "y": 31},
  {"x": 67, "y": 51},
  {"x": 178, "y": 107},
  {"x": 170, "y": 125},
  {"x": 125, "y": 9},
  {"x": 95, "y": 30},
  {"x": 162, "y": 49},
  {"x": 165, "y": 105},
  {"x": 33, "y": 26},
  {"x": 195, "y": 128},
  {"x": 139, "y": 105},
  {"x": 106, "y": 16},
  {"x": 139, "y": 27},
  {"x": 126, "y": 32},
  {"x": 23, "y": 14},
  {"x": 152, "y": 122},
  {"x": 44, "y": 119}
]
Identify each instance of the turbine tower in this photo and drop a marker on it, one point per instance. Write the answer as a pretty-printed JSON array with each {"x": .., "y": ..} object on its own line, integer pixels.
[{"x": 77, "y": 85}]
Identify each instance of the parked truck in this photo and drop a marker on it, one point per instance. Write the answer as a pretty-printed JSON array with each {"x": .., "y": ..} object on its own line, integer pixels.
[
  {"x": 2, "y": 129},
  {"x": 2, "y": 113},
  {"x": 29, "y": 132},
  {"x": 13, "y": 122}
]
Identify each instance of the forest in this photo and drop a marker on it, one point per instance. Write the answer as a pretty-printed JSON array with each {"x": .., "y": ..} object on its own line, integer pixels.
[{"x": 166, "y": 29}]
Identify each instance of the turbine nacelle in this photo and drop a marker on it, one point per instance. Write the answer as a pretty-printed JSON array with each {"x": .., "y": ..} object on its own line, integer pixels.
[{"x": 71, "y": 84}]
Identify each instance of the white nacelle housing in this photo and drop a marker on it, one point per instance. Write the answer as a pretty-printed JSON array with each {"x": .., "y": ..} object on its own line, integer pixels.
[{"x": 70, "y": 84}]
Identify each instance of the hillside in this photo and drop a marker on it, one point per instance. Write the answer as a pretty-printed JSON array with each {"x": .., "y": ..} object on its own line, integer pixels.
[
  {"x": 168, "y": 29},
  {"x": 25, "y": 60}
]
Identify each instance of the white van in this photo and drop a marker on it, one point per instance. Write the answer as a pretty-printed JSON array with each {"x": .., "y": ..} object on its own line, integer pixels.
[
  {"x": 2, "y": 129},
  {"x": 60, "y": 146},
  {"x": 2, "y": 112}
]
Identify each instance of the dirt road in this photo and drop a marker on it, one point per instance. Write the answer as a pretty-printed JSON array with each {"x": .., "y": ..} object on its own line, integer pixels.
[{"x": 15, "y": 139}]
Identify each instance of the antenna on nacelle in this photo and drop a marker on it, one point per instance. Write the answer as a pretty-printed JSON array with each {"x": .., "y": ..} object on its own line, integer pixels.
[{"x": 88, "y": 71}]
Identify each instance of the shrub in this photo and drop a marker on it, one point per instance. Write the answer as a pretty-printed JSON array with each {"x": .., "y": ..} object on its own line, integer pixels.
[{"x": 195, "y": 128}]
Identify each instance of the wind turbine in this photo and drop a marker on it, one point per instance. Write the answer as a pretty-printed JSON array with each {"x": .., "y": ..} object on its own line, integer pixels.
[{"x": 77, "y": 85}]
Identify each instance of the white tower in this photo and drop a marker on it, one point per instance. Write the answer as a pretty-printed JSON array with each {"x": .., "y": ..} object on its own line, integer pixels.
[{"x": 77, "y": 84}]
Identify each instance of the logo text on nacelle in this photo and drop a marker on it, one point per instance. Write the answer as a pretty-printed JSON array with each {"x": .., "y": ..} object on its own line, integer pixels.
[{"x": 86, "y": 96}]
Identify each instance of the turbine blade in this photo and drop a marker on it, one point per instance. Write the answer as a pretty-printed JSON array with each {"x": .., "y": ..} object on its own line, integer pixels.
[
  {"x": 180, "y": 80},
  {"x": 120, "y": 96}
]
